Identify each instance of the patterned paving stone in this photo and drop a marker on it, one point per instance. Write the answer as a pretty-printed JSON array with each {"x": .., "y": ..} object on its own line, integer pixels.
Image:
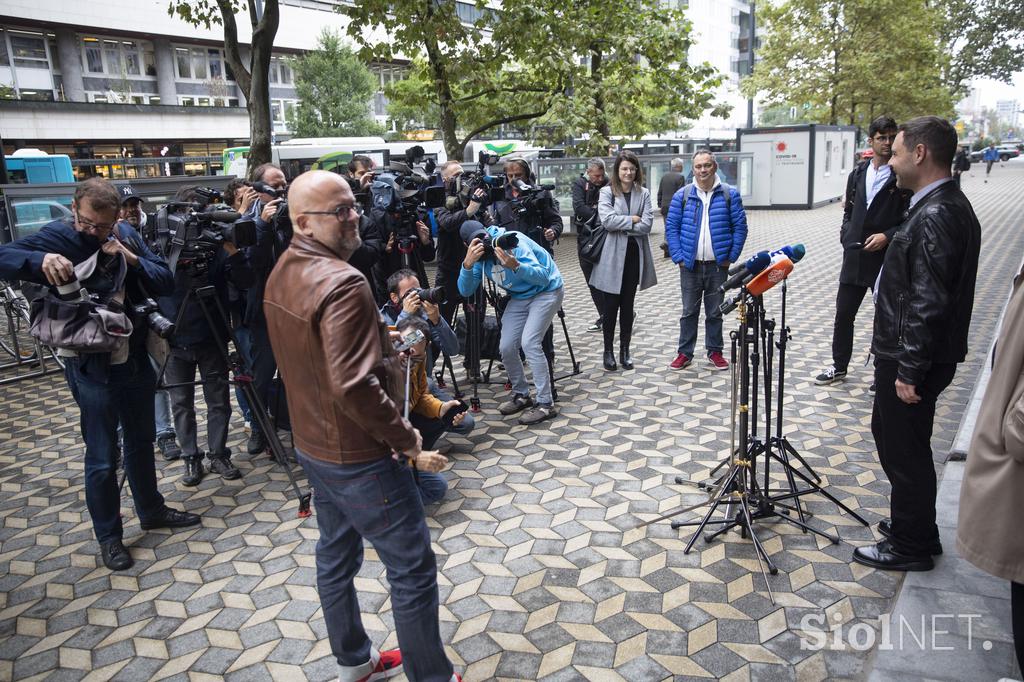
[{"x": 544, "y": 572}]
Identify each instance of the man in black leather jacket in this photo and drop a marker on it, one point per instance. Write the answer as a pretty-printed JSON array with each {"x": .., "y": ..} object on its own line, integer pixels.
[
  {"x": 922, "y": 315},
  {"x": 585, "y": 190},
  {"x": 873, "y": 210}
]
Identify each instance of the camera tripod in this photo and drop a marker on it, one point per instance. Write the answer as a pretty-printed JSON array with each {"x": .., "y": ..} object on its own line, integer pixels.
[
  {"x": 744, "y": 498},
  {"x": 207, "y": 298}
]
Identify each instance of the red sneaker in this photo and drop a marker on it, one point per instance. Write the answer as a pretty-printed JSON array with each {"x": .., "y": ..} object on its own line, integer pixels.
[
  {"x": 682, "y": 361},
  {"x": 717, "y": 362},
  {"x": 389, "y": 663}
]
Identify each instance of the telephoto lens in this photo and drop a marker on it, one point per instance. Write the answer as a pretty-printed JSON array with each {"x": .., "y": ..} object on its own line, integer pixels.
[
  {"x": 435, "y": 295},
  {"x": 507, "y": 241},
  {"x": 72, "y": 290}
]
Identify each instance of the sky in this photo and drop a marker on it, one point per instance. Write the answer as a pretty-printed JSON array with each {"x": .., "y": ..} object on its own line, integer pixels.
[{"x": 991, "y": 91}]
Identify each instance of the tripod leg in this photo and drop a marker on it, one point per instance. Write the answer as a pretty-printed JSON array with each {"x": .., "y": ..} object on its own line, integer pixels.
[{"x": 792, "y": 451}]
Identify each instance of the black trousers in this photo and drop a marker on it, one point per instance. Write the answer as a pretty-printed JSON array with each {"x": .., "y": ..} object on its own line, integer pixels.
[
  {"x": 903, "y": 438},
  {"x": 848, "y": 300},
  {"x": 595, "y": 294},
  {"x": 181, "y": 369},
  {"x": 1017, "y": 616},
  {"x": 621, "y": 304}
]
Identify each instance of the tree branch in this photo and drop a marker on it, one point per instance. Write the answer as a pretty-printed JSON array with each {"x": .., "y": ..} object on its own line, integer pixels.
[
  {"x": 500, "y": 121},
  {"x": 231, "y": 54},
  {"x": 495, "y": 91}
]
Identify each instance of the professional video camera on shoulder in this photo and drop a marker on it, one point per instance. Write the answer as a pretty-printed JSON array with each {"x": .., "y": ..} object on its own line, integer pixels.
[
  {"x": 399, "y": 193},
  {"x": 195, "y": 230}
]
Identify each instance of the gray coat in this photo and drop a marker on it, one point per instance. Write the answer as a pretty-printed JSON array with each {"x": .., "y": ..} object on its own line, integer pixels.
[{"x": 615, "y": 217}]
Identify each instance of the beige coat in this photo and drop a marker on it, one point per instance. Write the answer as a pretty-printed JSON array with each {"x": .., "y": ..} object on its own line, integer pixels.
[{"x": 990, "y": 533}]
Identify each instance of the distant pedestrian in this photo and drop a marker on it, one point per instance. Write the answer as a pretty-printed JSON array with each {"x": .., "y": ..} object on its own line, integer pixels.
[
  {"x": 990, "y": 156},
  {"x": 671, "y": 183},
  {"x": 961, "y": 164}
]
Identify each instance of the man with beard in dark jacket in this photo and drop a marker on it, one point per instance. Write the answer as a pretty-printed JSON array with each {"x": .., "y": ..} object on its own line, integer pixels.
[
  {"x": 923, "y": 305},
  {"x": 585, "y": 191},
  {"x": 459, "y": 207},
  {"x": 873, "y": 210}
]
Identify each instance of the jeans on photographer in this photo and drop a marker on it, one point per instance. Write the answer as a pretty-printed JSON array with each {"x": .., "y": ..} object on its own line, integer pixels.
[
  {"x": 181, "y": 368},
  {"x": 162, "y": 409},
  {"x": 702, "y": 282},
  {"x": 376, "y": 501},
  {"x": 524, "y": 324},
  {"x": 433, "y": 486},
  {"x": 126, "y": 397}
]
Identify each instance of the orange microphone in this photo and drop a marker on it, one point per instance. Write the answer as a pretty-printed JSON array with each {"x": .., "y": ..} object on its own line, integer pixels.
[{"x": 776, "y": 272}]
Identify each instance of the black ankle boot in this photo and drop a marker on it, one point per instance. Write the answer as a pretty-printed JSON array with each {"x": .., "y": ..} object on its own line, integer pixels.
[
  {"x": 609, "y": 361},
  {"x": 193, "y": 470},
  {"x": 624, "y": 359}
]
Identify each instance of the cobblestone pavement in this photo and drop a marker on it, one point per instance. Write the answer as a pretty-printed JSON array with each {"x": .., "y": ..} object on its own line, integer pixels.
[{"x": 544, "y": 573}]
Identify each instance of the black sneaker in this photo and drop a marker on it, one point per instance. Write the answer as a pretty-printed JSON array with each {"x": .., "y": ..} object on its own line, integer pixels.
[
  {"x": 830, "y": 375},
  {"x": 871, "y": 388},
  {"x": 168, "y": 446},
  {"x": 596, "y": 327},
  {"x": 256, "y": 443},
  {"x": 193, "y": 470},
  {"x": 517, "y": 403},
  {"x": 221, "y": 464},
  {"x": 115, "y": 556},
  {"x": 169, "y": 518}
]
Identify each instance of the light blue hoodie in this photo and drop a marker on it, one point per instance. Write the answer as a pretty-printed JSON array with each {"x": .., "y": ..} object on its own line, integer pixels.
[{"x": 536, "y": 274}]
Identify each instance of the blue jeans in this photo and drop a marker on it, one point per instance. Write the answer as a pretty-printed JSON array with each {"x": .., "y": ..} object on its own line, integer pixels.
[
  {"x": 431, "y": 486},
  {"x": 127, "y": 397},
  {"x": 376, "y": 501},
  {"x": 245, "y": 351},
  {"x": 523, "y": 325},
  {"x": 701, "y": 282}
]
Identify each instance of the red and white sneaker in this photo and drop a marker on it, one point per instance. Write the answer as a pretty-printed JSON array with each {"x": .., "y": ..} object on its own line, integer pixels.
[
  {"x": 682, "y": 361},
  {"x": 717, "y": 362},
  {"x": 390, "y": 662}
]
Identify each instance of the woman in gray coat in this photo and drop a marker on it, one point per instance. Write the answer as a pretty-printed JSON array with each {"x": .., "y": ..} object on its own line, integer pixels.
[{"x": 624, "y": 208}]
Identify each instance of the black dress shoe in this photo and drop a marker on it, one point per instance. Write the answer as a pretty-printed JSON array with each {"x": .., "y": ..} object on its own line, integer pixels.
[
  {"x": 625, "y": 360},
  {"x": 115, "y": 556},
  {"x": 256, "y": 443},
  {"x": 193, "y": 470},
  {"x": 609, "y": 361},
  {"x": 884, "y": 556},
  {"x": 170, "y": 518},
  {"x": 885, "y": 528}
]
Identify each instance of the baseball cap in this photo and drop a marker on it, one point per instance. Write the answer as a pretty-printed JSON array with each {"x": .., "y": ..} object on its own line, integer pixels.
[
  {"x": 128, "y": 193},
  {"x": 470, "y": 229}
]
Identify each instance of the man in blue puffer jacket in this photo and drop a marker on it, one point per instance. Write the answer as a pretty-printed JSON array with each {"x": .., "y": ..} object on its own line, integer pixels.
[{"x": 705, "y": 230}]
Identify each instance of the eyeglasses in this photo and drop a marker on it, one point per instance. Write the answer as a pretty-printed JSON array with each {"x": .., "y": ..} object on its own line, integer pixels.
[
  {"x": 885, "y": 138},
  {"x": 342, "y": 213},
  {"x": 89, "y": 225}
]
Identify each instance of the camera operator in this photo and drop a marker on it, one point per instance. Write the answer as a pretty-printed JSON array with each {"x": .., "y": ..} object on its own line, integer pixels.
[
  {"x": 107, "y": 387},
  {"x": 405, "y": 245},
  {"x": 273, "y": 229},
  {"x": 459, "y": 207},
  {"x": 528, "y": 273},
  {"x": 194, "y": 346},
  {"x": 429, "y": 415},
  {"x": 585, "y": 191},
  {"x": 166, "y": 439},
  {"x": 360, "y": 176},
  {"x": 534, "y": 213}
]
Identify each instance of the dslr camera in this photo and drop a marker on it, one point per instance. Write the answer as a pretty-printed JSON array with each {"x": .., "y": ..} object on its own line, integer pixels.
[
  {"x": 435, "y": 295},
  {"x": 197, "y": 229}
]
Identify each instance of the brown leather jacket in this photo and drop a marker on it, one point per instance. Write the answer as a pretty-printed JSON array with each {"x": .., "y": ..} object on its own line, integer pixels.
[{"x": 343, "y": 379}]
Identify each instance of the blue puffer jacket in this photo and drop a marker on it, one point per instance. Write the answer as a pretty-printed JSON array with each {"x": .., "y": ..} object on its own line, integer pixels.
[{"x": 727, "y": 235}]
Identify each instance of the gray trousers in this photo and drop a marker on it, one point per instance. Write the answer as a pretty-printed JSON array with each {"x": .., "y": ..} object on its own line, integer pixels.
[
  {"x": 523, "y": 324},
  {"x": 181, "y": 368}
]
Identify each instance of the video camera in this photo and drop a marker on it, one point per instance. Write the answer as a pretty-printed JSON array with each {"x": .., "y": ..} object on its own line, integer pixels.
[
  {"x": 401, "y": 191},
  {"x": 197, "y": 229}
]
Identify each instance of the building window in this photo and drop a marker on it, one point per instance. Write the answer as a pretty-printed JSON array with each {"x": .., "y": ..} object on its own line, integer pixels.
[
  {"x": 828, "y": 157},
  {"x": 199, "y": 64},
  {"x": 112, "y": 55},
  {"x": 155, "y": 99},
  {"x": 215, "y": 64},
  {"x": 4, "y": 59},
  {"x": 118, "y": 58},
  {"x": 188, "y": 102},
  {"x": 93, "y": 56},
  {"x": 280, "y": 72},
  {"x": 29, "y": 51}
]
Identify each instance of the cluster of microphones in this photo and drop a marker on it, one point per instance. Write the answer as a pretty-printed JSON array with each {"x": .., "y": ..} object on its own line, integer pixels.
[{"x": 761, "y": 272}]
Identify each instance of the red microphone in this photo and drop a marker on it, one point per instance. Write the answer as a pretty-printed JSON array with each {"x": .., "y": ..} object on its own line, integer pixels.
[{"x": 776, "y": 272}]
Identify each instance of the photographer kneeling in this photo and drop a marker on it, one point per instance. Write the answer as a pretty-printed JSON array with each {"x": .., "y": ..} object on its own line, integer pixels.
[
  {"x": 430, "y": 416},
  {"x": 195, "y": 345},
  {"x": 528, "y": 273}
]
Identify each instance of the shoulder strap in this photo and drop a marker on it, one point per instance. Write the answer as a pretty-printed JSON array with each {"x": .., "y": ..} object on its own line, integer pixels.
[{"x": 687, "y": 188}]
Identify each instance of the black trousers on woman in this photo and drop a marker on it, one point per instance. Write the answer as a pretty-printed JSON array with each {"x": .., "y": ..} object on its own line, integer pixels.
[{"x": 621, "y": 304}]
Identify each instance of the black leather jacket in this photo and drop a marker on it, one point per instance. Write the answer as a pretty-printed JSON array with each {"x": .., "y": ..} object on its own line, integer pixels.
[
  {"x": 926, "y": 291},
  {"x": 584, "y": 202}
]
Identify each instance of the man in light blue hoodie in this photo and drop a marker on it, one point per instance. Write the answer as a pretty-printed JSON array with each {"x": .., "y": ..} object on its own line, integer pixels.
[{"x": 527, "y": 272}]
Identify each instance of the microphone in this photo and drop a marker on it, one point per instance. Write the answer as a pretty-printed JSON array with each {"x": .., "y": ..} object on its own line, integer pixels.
[
  {"x": 737, "y": 267},
  {"x": 754, "y": 265},
  {"x": 770, "y": 276},
  {"x": 224, "y": 216},
  {"x": 795, "y": 252}
]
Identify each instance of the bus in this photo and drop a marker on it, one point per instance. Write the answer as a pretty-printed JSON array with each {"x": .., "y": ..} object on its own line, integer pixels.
[
  {"x": 502, "y": 148},
  {"x": 32, "y": 166}
]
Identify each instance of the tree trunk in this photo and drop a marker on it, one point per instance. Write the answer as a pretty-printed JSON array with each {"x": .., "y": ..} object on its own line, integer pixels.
[
  {"x": 452, "y": 146},
  {"x": 603, "y": 129}
]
